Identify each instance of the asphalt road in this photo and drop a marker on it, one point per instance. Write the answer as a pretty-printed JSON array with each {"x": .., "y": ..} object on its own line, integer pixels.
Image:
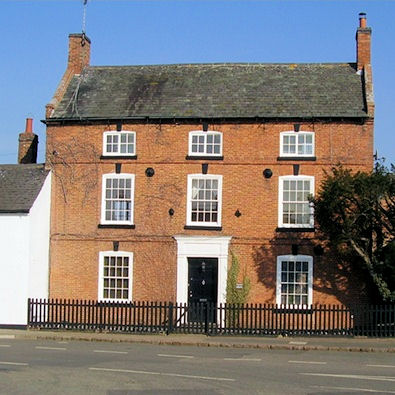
[{"x": 53, "y": 367}]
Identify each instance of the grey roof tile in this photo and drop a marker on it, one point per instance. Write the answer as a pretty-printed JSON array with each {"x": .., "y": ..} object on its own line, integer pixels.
[
  {"x": 20, "y": 186},
  {"x": 214, "y": 91}
]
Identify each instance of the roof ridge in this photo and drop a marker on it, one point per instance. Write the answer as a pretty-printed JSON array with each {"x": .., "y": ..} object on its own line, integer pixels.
[
  {"x": 23, "y": 165},
  {"x": 222, "y": 64}
]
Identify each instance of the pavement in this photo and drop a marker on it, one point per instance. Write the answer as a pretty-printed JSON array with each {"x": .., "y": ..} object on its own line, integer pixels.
[{"x": 323, "y": 343}]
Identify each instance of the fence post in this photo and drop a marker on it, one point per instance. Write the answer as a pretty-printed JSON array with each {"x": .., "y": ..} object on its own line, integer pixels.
[
  {"x": 170, "y": 319},
  {"x": 206, "y": 318},
  {"x": 28, "y": 312}
]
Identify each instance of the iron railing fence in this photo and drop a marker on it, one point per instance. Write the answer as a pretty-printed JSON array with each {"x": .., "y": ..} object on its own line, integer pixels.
[{"x": 231, "y": 319}]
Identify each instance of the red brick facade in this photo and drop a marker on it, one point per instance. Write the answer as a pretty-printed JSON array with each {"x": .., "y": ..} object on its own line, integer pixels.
[{"x": 74, "y": 152}]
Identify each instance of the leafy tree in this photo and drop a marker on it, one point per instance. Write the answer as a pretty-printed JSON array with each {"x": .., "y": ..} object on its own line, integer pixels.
[{"x": 356, "y": 213}]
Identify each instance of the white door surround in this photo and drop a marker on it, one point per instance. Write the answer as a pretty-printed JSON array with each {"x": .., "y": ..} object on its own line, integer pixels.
[{"x": 201, "y": 246}]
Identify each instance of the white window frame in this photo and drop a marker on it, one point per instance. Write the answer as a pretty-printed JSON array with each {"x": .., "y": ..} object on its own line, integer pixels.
[
  {"x": 125, "y": 176},
  {"x": 296, "y": 134},
  {"x": 280, "y": 201},
  {"x": 102, "y": 255},
  {"x": 192, "y": 177},
  {"x": 199, "y": 133},
  {"x": 116, "y": 133},
  {"x": 305, "y": 258}
]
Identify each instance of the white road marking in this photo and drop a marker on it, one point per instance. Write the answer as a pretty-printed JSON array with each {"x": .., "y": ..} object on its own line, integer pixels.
[
  {"x": 63, "y": 342},
  {"x": 352, "y": 389},
  {"x": 14, "y": 363},
  {"x": 50, "y": 348},
  {"x": 7, "y": 336},
  {"x": 163, "y": 374},
  {"x": 176, "y": 356},
  {"x": 382, "y": 366},
  {"x": 5, "y": 345},
  {"x": 300, "y": 343},
  {"x": 351, "y": 376},
  {"x": 243, "y": 359},
  {"x": 111, "y": 352},
  {"x": 309, "y": 362}
]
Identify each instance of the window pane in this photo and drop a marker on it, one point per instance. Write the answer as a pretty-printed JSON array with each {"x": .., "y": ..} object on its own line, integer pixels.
[
  {"x": 205, "y": 144},
  {"x": 294, "y": 286},
  {"x": 204, "y": 205},
  {"x": 118, "y": 199},
  {"x": 116, "y": 279}
]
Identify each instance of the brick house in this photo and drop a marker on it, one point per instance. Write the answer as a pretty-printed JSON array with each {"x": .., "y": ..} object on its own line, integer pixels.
[{"x": 161, "y": 172}]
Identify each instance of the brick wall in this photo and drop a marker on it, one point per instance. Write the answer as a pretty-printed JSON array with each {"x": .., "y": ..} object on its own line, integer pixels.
[{"x": 74, "y": 154}]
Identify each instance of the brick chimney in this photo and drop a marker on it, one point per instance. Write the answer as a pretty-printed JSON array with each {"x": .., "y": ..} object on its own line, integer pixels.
[
  {"x": 79, "y": 52},
  {"x": 363, "y": 42},
  {"x": 28, "y": 143},
  {"x": 79, "y": 57}
]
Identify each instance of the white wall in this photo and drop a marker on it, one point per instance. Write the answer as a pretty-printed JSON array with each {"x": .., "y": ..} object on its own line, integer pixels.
[
  {"x": 24, "y": 256},
  {"x": 14, "y": 263},
  {"x": 39, "y": 243}
]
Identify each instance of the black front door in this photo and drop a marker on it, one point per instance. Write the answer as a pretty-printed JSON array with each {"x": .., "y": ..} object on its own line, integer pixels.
[{"x": 202, "y": 287}]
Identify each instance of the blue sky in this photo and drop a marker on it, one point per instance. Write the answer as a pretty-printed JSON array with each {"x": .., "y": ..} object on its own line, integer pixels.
[{"x": 34, "y": 40}]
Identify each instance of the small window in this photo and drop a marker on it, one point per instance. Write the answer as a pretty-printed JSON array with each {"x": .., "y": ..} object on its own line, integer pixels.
[
  {"x": 205, "y": 144},
  {"x": 117, "y": 199},
  {"x": 295, "y": 209},
  {"x": 297, "y": 144},
  {"x": 115, "y": 276},
  {"x": 119, "y": 143},
  {"x": 294, "y": 280},
  {"x": 204, "y": 200}
]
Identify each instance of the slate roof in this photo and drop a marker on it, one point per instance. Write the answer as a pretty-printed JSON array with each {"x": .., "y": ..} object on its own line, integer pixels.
[
  {"x": 20, "y": 186},
  {"x": 214, "y": 91}
]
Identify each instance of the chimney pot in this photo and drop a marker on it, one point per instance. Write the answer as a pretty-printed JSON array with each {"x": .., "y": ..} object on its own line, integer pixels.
[
  {"x": 29, "y": 125},
  {"x": 362, "y": 20}
]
